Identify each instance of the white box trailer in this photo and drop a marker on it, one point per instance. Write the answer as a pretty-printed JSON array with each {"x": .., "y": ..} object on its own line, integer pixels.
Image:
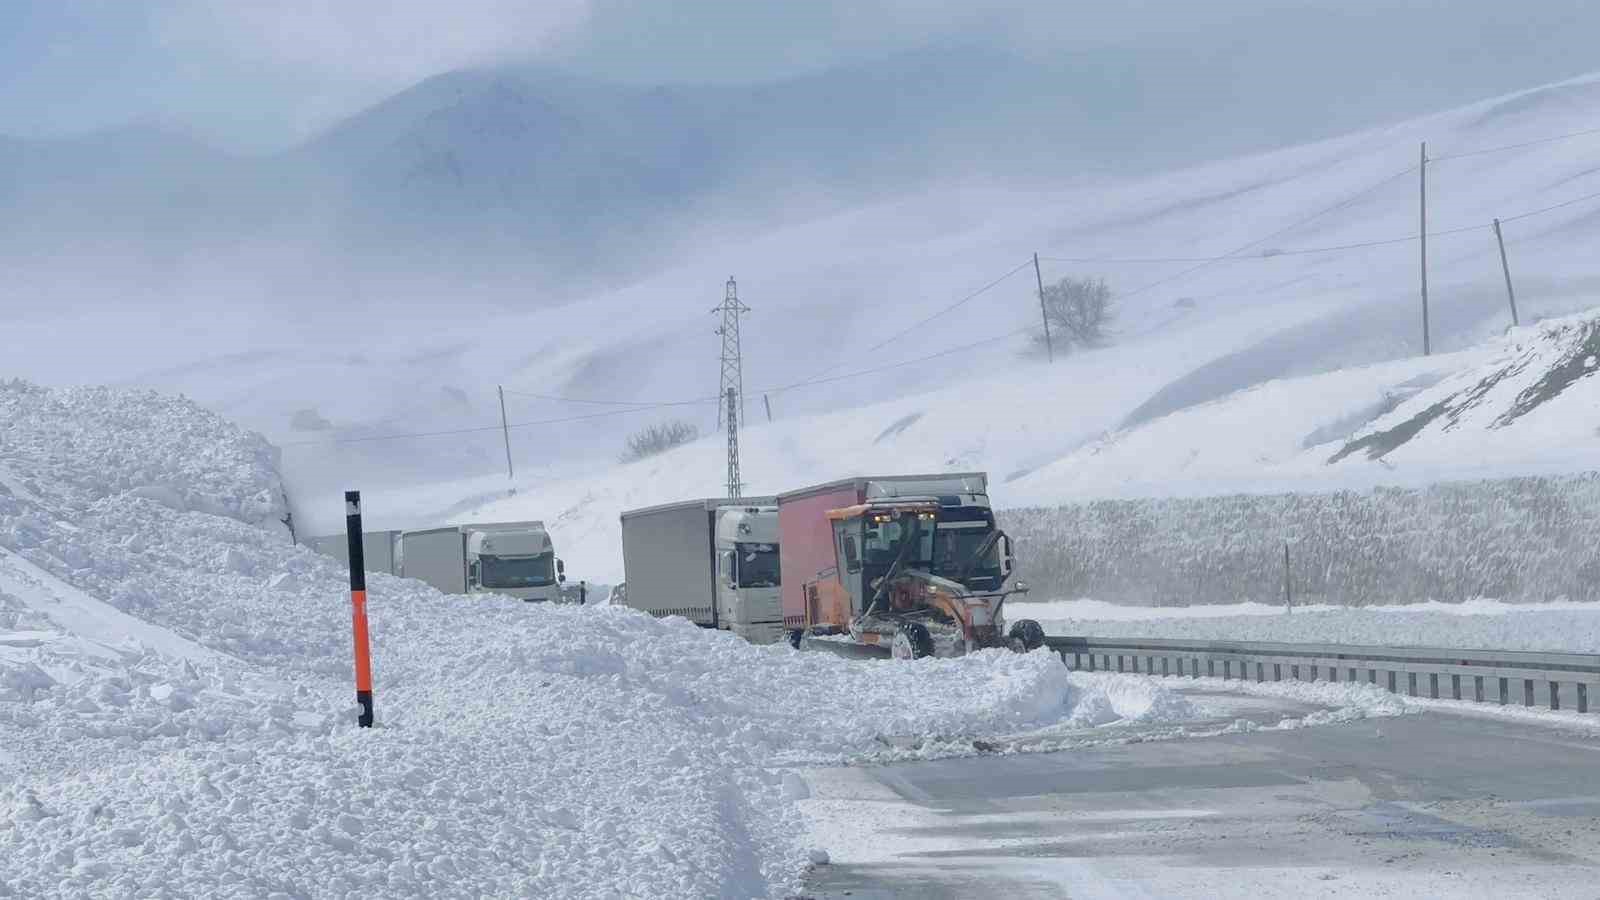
[
  {"x": 712, "y": 561},
  {"x": 379, "y": 549}
]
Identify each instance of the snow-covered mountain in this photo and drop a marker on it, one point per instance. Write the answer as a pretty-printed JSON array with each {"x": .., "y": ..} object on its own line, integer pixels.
[{"x": 857, "y": 330}]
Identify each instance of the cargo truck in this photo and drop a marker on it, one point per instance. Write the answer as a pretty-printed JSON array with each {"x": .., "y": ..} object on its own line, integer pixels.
[
  {"x": 379, "y": 549},
  {"x": 512, "y": 558},
  {"x": 713, "y": 562},
  {"x": 913, "y": 564}
]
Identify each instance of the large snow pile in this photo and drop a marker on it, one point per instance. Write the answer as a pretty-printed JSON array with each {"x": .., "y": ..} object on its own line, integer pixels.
[
  {"x": 175, "y": 704},
  {"x": 1571, "y": 627},
  {"x": 72, "y": 448}
]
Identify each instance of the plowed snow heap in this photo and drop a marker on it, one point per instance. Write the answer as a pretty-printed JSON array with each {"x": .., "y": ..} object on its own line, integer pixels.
[{"x": 175, "y": 704}]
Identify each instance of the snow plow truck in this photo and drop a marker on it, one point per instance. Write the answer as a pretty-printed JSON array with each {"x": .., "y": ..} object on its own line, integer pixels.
[{"x": 912, "y": 564}]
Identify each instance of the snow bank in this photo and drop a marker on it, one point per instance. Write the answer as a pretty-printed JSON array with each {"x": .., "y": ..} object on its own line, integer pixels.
[
  {"x": 1573, "y": 627},
  {"x": 1523, "y": 539},
  {"x": 175, "y": 704},
  {"x": 73, "y": 447}
]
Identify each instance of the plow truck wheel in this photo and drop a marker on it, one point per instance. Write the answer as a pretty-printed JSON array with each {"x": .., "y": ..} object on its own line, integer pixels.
[
  {"x": 795, "y": 637},
  {"x": 911, "y": 641},
  {"x": 1028, "y": 633}
]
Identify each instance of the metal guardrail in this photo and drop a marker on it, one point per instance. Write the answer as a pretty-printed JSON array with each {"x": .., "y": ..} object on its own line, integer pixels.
[{"x": 1509, "y": 677}]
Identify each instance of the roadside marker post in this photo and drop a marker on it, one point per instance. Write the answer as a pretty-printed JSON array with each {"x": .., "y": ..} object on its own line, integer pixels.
[{"x": 358, "y": 606}]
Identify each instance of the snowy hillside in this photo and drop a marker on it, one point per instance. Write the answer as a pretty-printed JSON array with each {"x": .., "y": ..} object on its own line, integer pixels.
[
  {"x": 1277, "y": 436},
  {"x": 1521, "y": 403},
  {"x": 413, "y": 347},
  {"x": 175, "y": 706}
]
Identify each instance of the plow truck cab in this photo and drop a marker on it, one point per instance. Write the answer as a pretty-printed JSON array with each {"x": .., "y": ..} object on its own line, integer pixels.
[{"x": 912, "y": 564}]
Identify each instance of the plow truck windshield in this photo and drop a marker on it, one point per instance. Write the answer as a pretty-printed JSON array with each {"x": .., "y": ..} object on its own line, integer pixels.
[{"x": 886, "y": 538}]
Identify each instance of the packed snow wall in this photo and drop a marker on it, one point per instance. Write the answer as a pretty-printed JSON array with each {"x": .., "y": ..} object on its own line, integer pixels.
[{"x": 1519, "y": 539}]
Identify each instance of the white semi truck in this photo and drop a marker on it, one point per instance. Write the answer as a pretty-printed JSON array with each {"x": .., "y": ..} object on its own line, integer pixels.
[
  {"x": 516, "y": 559},
  {"x": 713, "y": 562},
  {"x": 512, "y": 558}
]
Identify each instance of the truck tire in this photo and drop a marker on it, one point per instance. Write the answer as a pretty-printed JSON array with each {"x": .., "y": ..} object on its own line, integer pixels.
[
  {"x": 795, "y": 637},
  {"x": 911, "y": 641},
  {"x": 1028, "y": 633}
]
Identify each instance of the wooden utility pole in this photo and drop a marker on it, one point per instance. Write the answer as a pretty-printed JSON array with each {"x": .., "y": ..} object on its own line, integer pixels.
[
  {"x": 1288, "y": 596},
  {"x": 1049, "y": 348},
  {"x": 1427, "y": 346},
  {"x": 505, "y": 430},
  {"x": 1511, "y": 294}
]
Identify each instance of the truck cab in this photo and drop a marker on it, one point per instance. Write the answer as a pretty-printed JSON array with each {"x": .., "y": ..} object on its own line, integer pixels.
[
  {"x": 515, "y": 559},
  {"x": 749, "y": 589},
  {"x": 520, "y": 562}
]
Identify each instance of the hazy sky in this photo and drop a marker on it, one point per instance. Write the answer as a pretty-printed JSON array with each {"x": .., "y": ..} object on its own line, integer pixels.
[{"x": 263, "y": 74}]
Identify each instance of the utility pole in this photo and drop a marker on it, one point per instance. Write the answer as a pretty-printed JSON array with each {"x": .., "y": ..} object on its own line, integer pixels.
[
  {"x": 1427, "y": 346},
  {"x": 1288, "y": 597},
  {"x": 767, "y": 402},
  {"x": 1049, "y": 348},
  {"x": 732, "y": 362},
  {"x": 734, "y": 490},
  {"x": 505, "y": 429},
  {"x": 1505, "y": 267}
]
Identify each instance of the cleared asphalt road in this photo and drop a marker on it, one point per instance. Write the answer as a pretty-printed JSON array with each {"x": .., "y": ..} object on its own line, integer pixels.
[{"x": 1423, "y": 805}]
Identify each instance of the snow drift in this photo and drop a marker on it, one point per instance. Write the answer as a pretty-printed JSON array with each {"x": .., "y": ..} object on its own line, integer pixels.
[{"x": 175, "y": 706}]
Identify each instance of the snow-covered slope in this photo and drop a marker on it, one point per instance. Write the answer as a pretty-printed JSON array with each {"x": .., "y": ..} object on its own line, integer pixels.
[
  {"x": 1273, "y": 437},
  {"x": 1521, "y": 403},
  {"x": 1538, "y": 397},
  {"x": 175, "y": 707},
  {"x": 407, "y": 349}
]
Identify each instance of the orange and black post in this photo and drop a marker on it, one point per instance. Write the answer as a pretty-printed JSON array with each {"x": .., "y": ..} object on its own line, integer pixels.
[{"x": 358, "y": 605}]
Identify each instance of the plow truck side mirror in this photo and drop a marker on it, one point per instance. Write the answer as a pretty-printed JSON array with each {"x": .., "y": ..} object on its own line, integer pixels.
[
  {"x": 725, "y": 561},
  {"x": 1008, "y": 560},
  {"x": 561, "y": 572},
  {"x": 473, "y": 578}
]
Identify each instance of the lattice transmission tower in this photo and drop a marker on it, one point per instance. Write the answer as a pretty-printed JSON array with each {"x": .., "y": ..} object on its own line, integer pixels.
[{"x": 731, "y": 388}]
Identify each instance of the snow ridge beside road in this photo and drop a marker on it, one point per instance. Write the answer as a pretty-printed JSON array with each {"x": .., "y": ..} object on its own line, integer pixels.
[{"x": 211, "y": 748}]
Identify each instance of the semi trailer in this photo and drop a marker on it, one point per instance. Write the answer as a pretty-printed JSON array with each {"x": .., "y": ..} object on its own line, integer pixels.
[
  {"x": 379, "y": 549},
  {"x": 714, "y": 562},
  {"x": 913, "y": 564},
  {"x": 512, "y": 558}
]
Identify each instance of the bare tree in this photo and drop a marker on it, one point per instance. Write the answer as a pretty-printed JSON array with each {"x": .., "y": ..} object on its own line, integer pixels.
[
  {"x": 1079, "y": 311},
  {"x": 658, "y": 439}
]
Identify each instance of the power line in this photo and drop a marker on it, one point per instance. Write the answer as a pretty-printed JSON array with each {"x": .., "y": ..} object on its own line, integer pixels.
[
  {"x": 948, "y": 309},
  {"x": 600, "y": 415},
  {"x": 1550, "y": 208},
  {"x": 1285, "y": 230},
  {"x": 1517, "y": 146},
  {"x": 1305, "y": 251},
  {"x": 900, "y": 365},
  {"x": 641, "y": 404},
  {"x": 458, "y": 431}
]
